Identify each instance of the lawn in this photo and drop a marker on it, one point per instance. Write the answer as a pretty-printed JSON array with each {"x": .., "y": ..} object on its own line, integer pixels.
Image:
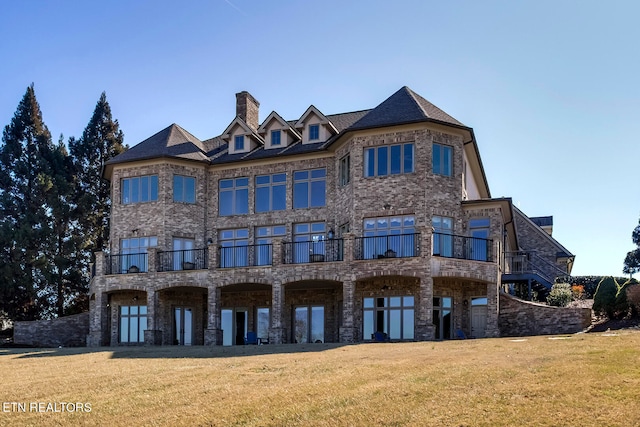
[{"x": 577, "y": 380}]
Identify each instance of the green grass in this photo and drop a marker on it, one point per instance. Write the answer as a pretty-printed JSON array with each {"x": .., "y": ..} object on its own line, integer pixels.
[{"x": 581, "y": 380}]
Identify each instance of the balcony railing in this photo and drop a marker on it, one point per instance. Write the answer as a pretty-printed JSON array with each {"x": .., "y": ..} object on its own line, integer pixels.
[
  {"x": 188, "y": 259},
  {"x": 462, "y": 247},
  {"x": 127, "y": 263},
  {"x": 530, "y": 262},
  {"x": 245, "y": 255},
  {"x": 326, "y": 250},
  {"x": 394, "y": 246}
]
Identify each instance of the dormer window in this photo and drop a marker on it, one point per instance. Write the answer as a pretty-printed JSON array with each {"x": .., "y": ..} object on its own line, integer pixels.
[
  {"x": 238, "y": 143},
  {"x": 275, "y": 137},
  {"x": 314, "y": 132}
]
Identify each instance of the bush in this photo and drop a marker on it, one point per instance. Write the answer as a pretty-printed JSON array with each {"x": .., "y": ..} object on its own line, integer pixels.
[
  {"x": 604, "y": 300},
  {"x": 560, "y": 295},
  {"x": 633, "y": 298}
]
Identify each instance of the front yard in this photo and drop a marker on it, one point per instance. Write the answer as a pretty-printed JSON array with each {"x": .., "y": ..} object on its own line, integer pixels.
[{"x": 583, "y": 379}]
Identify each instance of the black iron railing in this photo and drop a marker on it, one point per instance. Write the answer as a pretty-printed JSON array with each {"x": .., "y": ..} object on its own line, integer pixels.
[
  {"x": 127, "y": 263},
  {"x": 245, "y": 255},
  {"x": 188, "y": 259},
  {"x": 525, "y": 262},
  {"x": 462, "y": 247},
  {"x": 394, "y": 246},
  {"x": 325, "y": 250}
]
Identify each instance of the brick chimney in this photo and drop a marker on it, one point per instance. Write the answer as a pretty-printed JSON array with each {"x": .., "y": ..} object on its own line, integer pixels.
[{"x": 247, "y": 108}]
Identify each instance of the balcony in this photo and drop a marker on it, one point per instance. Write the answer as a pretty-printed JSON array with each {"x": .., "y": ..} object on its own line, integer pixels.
[
  {"x": 326, "y": 250},
  {"x": 190, "y": 259},
  {"x": 245, "y": 255},
  {"x": 394, "y": 246},
  {"x": 462, "y": 247},
  {"x": 127, "y": 263}
]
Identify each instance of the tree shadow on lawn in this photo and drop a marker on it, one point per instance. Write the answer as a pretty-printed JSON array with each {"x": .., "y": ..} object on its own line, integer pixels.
[{"x": 174, "y": 352}]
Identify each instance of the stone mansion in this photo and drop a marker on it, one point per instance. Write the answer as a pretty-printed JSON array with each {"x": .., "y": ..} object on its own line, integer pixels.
[{"x": 353, "y": 227}]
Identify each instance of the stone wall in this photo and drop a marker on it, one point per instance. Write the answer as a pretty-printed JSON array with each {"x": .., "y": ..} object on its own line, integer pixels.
[
  {"x": 522, "y": 318},
  {"x": 69, "y": 331}
]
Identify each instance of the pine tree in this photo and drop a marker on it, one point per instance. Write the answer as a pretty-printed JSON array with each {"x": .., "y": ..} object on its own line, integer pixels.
[
  {"x": 632, "y": 260},
  {"x": 101, "y": 140},
  {"x": 25, "y": 179}
]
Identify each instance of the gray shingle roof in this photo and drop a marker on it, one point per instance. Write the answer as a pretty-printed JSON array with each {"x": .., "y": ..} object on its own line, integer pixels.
[
  {"x": 404, "y": 106},
  {"x": 172, "y": 141}
]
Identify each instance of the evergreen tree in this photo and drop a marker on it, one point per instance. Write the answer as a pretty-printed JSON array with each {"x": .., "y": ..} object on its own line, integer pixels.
[
  {"x": 64, "y": 265},
  {"x": 632, "y": 260},
  {"x": 101, "y": 140},
  {"x": 25, "y": 180}
]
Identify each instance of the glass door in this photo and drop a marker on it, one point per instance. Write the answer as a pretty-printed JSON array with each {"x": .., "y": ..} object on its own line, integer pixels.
[
  {"x": 234, "y": 325},
  {"x": 308, "y": 324},
  {"x": 183, "y": 325},
  {"x": 442, "y": 317}
]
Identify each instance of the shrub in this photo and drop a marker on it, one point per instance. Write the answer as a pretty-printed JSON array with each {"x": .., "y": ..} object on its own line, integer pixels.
[
  {"x": 577, "y": 292},
  {"x": 605, "y": 298},
  {"x": 633, "y": 298},
  {"x": 560, "y": 295}
]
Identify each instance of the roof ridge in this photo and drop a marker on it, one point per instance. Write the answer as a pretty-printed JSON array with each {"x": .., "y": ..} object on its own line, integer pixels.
[{"x": 412, "y": 94}]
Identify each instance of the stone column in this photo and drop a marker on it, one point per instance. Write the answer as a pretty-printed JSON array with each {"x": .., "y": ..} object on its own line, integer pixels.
[
  {"x": 152, "y": 260},
  {"x": 212, "y": 260},
  {"x": 493, "y": 306},
  {"x": 153, "y": 334},
  {"x": 348, "y": 239},
  {"x": 347, "y": 330},
  {"x": 277, "y": 333},
  {"x": 213, "y": 333},
  {"x": 425, "y": 330},
  {"x": 98, "y": 320}
]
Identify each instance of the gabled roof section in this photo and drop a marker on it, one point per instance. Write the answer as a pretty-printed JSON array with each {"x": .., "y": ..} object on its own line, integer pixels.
[
  {"x": 285, "y": 124},
  {"x": 172, "y": 141},
  {"x": 245, "y": 127},
  {"x": 323, "y": 119},
  {"x": 404, "y": 106}
]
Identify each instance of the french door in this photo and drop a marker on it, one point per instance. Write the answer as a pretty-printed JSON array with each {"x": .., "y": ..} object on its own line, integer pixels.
[{"x": 183, "y": 325}]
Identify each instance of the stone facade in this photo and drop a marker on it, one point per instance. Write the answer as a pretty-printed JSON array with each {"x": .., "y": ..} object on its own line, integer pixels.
[
  {"x": 69, "y": 331},
  {"x": 351, "y": 296},
  {"x": 521, "y": 318}
]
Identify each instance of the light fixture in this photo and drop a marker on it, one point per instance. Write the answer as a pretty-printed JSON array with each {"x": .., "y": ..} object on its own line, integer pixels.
[
  {"x": 210, "y": 241},
  {"x": 330, "y": 234},
  {"x": 387, "y": 206}
]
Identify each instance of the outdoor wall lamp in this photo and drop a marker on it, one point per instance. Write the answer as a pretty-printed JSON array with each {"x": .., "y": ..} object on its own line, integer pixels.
[{"x": 330, "y": 234}]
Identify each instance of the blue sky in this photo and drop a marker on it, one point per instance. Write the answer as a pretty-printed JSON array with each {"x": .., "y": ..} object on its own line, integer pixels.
[{"x": 550, "y": 87}]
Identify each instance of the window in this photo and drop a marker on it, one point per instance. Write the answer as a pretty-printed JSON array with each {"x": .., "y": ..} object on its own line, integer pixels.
[
  {"x": 314, "y": 132},
  {"x": 479, "y": 245},
  {"x": 134, "y": 253},
  {"x": 183, "y": 255},
  {"x": 238, "y": 143},
  {"x": 309, "y": 188},
  {"x": 394, "y": 316},
  {"x": 388, "y": 160},
  {"x": 442, "y": 236},
  {"x": 234, "y": 196},
  {"x": 309, "y": 240},
  {"x": 442, "y": 160},
  {"x": 345, "y": 167},
  {"x": 184, "y": 189},
  {"x": 264, "y": 237},
  {"x": 133, "y": 322},
  {"x": 140, "y": 189},
  {"x": 275, "y": 137},
  {"x": 233, "y": 248},
  {"x": 271, "y": 192},
  {"x": 389, "y": 237},
  {"x": 309, "y": 324}
]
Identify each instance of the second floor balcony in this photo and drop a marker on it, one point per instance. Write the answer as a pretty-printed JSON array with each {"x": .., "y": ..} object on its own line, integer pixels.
[{"x": 462, "y": 247}]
